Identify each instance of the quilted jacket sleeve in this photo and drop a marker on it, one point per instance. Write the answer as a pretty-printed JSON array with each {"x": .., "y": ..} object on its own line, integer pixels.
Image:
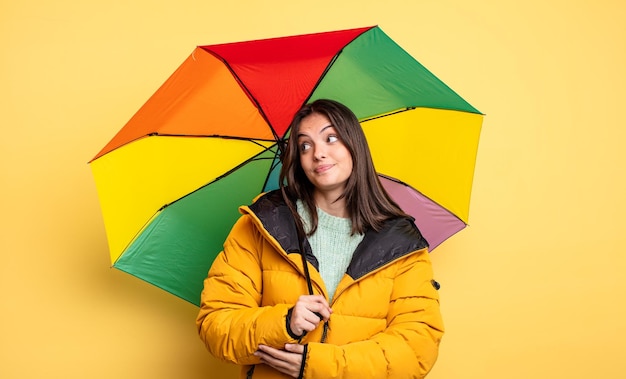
[
  {"x": 408, "y": 347},
  {"x": 230, "y": 321}
]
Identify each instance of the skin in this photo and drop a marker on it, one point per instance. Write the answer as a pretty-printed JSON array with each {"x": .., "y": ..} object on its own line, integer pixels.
[
  {"x": 327, "y": 164},
  {"x": 287, "y": 361}
]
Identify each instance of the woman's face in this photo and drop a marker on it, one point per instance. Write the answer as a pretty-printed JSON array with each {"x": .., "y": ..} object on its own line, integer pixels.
[{"x": 324, "y": 158}]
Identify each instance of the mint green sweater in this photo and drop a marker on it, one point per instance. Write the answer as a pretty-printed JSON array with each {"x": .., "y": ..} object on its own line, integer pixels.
[{"x": 332, "y": 245}]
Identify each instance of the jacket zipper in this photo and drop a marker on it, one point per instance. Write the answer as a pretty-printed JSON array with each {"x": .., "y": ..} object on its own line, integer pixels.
[
  {"x": 250, "y": 372},
  {"x": 325, "y": 332}
]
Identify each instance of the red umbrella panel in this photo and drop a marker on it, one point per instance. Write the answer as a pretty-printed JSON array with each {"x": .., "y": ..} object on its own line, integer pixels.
[{"x": 171, "y": 180}]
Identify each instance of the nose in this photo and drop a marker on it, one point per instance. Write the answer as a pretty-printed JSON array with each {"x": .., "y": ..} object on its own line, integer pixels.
[{"x": 319, "y": 151}]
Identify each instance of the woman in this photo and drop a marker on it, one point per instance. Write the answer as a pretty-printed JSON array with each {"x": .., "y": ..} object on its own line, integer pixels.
[{"x": 326, "y": 277}]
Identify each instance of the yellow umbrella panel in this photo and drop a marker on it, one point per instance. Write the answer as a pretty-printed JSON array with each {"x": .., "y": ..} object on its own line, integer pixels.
[{"x": 137, "y": 180}]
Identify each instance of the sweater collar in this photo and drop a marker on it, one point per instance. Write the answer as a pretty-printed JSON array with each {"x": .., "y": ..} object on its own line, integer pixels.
[{"x": 398, "y": 238}]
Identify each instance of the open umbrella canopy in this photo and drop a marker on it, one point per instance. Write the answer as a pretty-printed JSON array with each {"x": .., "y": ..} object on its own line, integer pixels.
[{"x": 171, "y": 180}]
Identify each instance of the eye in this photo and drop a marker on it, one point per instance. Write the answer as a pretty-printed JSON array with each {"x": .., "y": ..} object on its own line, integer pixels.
[
  {"x": 332, "y": 138},
  {"x": 304, "y": 146}
]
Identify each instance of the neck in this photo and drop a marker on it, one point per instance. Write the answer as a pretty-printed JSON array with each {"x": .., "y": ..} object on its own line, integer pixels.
[{"x": 329, "y": 204}]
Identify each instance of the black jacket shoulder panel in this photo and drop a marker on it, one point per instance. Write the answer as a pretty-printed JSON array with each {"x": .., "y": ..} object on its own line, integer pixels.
[
  {"x": 398, "y": 238},
  {"x": 278, "y": 220}
]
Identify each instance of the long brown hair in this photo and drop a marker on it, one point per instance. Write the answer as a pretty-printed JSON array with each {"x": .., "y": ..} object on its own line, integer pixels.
[{"x": 367, "y": 202}]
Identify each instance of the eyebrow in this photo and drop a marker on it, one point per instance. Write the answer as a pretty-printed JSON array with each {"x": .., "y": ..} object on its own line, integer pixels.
[{"x": 321, "y": 131}]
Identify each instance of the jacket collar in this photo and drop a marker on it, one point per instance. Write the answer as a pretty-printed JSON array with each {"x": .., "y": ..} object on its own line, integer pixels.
[{"x": 399, "y": 237}]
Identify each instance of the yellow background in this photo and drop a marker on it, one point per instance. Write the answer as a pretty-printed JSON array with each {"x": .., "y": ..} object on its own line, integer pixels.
[{"x": 534, "y": 288}]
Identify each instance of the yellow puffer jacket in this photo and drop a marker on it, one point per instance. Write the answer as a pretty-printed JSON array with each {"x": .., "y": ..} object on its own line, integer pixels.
[{"x": 385, "y": 322}]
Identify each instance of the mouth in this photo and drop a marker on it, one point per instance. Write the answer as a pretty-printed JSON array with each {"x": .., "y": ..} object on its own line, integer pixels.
[{"x": 322, "y": 168}]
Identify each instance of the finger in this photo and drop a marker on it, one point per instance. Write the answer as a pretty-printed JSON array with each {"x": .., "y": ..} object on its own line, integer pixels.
[
  {"x": 276, "y": 353},
  {"x": 314, "y": 299},
  {"x": 308, "y": 312},
  {"x": 291, "y": 354},
  {"x": 305, "y": 320},
  {"x": 321, "y": 311},
  {"x": 309, "y": 320},
  {"x": 278, "y": 364},
  {"x": 294, "y": 348},
  {"x": 270, "y": 355},
  {"x": 322, "y": 300},
  {"x": 312, "y": 318},
  {"x": 317, "y": 301},
  {"x": 283, "y": 361},
  {"x": 307, "y": 324}
]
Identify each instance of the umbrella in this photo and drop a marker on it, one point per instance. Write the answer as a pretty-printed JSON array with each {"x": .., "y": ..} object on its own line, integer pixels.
[{"x": 170, "y": 181}]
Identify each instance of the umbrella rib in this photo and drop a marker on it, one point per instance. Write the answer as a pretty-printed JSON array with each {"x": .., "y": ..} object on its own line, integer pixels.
[
  {"x": 388, "y": 114},
  {"x": 235, "y": 168},
  {"x": 157, "y": 134},
  {"x": 410, "y": 108},
  {"x": 253, "y": 140},
  {"x": 139, "y": 232},
  {"x": 275, "y": 164},
  {"x": 256, "y": 157},
  {"x": 331, "y": 63},
  {"x": 245, "y": 90}
]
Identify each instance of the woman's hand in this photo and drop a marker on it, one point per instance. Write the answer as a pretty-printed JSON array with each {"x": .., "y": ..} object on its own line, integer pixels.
[
  {"x": 307, "y": 312},
  {"x": 288, "y": 361}
]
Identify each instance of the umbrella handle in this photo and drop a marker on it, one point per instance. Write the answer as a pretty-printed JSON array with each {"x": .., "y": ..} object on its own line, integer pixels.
[
  {"x": 309, "y": 285},
  {"x": 300, "y": 233},
  {"x": 306, "y": 272}
]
